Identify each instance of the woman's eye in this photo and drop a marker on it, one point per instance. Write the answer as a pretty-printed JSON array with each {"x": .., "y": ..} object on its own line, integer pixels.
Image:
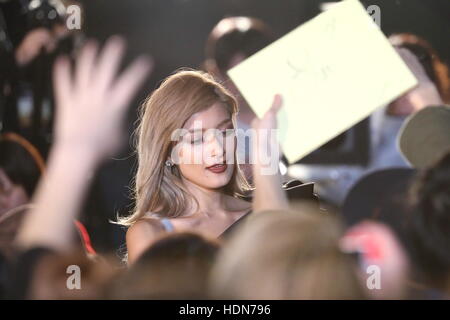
[{"x": 196, "y": 140}]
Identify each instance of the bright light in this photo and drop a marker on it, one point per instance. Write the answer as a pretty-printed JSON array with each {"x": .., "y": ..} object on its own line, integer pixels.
[{"x": 327, "y": 5}]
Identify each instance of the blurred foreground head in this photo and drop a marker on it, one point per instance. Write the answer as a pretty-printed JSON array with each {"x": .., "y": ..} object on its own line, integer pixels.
[
  {"x": 174, "y": 267},
  {"x": 42, "y": 274},
  {"x": 429, "y": 225},
  {"x": 286, "y": 255}
]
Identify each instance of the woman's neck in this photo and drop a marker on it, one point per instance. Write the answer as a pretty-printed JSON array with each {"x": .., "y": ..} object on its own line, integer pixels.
[{"x": 210, "y": 201}]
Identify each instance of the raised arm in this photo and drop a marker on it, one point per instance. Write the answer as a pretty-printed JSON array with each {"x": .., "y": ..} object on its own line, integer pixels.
[
  {"x": 91, "y": 104},
  {"x": 268, "y": 194}
]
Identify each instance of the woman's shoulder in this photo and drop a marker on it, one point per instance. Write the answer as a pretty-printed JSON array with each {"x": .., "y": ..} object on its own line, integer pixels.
[
  {"x": 145, "y": 226},
  {"x": 141, "y": 235}
]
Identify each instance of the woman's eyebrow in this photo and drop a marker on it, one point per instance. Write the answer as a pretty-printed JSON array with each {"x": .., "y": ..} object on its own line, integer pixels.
[{"x": 226, "y": 121}]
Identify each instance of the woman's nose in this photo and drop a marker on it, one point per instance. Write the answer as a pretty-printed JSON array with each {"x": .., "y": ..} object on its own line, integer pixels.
[{"x": 216, "y": 145}]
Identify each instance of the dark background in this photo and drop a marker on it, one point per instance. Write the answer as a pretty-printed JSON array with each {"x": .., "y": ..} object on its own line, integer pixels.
[{"x": 174, "y": 32}]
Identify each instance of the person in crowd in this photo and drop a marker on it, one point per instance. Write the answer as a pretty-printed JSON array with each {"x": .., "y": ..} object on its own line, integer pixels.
[
  {"x": 425, "y": 136},
  {"x": 428, "y": 227},
  {"x": 381, "y": 195},
  {"x": 194, "y": 182},
  {"x": 176, "y": 266},
  {"x": 430, "y": 70},
  {"x": 231, "y": 41},
  {"x": 334, "y": 182},
  {"x": 21, "y": 166},
  {"x": 92, "y": 95},
  {"x": 43, "y": 274},
  {"x": 412, "y": 204},
  {"x": 384, "y": 265},
  {"x": 424, "y": 141},
  {"x": 38, "y": 34}
]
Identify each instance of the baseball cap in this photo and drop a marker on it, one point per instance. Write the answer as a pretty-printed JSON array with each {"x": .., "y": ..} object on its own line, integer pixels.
[{"x": 425, "y": 136}]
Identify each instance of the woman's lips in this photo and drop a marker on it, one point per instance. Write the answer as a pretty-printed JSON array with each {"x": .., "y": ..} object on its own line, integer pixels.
[{"x": 218, "y": 168}]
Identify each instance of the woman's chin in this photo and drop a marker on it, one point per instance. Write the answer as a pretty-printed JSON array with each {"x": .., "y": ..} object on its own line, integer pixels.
[
  {"x": 218, "y": 181},
  {"x": 217, "y": 185}
]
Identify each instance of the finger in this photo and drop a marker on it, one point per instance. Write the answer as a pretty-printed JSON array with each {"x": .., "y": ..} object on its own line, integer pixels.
[
  {"x": 62, "y": 80},
  {"x": 109, "y": 62},
  {"x": 126, "y": 86},
  {"x": 85, "y": 63},
  {"x": 277, "y": 103},
  {"x": 255, "y": 123},
  {"x": 276, "y": 106}
]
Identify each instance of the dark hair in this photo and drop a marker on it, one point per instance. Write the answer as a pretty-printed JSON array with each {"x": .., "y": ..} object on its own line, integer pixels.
[
  {"x": 176, "y": 266},
  {"x": 21, "y": 165},
  {"x": 227, "y": 39},
  {"x": 429, "y": 222},
  {"x": 179, "y": 246}
]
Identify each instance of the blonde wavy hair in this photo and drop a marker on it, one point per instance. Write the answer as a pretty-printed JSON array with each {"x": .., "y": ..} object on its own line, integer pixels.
[{"x": 158, "y": 188}]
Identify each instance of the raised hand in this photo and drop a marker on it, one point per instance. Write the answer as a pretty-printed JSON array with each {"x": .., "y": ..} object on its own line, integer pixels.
[
  {"x": 265, "y": 142},
  {"x": 91, "y": 104},
  {"x": 268, "y": 194},
  {"x": 269, "y": 120},
  {"x": 92, "y": 100}
]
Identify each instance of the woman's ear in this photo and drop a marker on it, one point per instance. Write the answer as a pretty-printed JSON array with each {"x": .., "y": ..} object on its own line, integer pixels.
[
  {"x": 382, "y": 260},
  {"x": 169, "y": 163}
]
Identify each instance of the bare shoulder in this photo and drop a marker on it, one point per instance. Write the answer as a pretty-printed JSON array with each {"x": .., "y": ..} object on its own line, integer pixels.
[
  {"x": 145, "y": 226},
  {"x": 141, "y": 235}
]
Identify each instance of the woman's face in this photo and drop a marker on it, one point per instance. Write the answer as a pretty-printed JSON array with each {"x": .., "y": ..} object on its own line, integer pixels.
[
  {"x": 11, "y": 195},
  {"x": 206, "y": 149}
]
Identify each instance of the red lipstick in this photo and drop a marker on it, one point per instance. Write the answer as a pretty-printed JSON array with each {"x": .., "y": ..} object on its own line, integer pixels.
[{"x": 218, "y": 168}]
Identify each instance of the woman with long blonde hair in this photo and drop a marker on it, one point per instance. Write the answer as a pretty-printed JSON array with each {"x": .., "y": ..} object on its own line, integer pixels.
[{"x": 187, "y": 177}]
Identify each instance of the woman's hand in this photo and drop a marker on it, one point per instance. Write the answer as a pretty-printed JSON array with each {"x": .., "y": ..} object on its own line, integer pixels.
[{"x": 92, "y": 100}]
